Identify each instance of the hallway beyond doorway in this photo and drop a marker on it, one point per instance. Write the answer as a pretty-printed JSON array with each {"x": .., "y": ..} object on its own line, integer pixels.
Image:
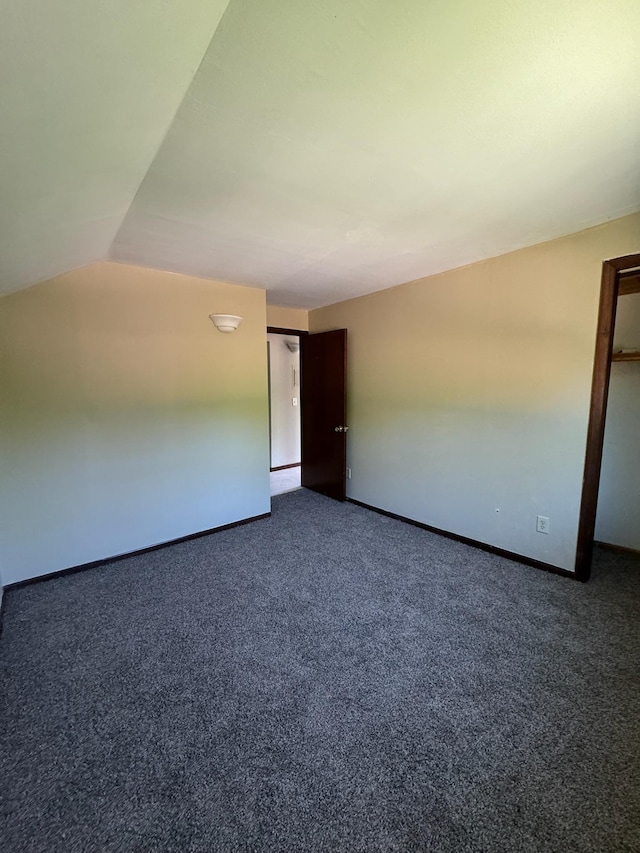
[{"x": 286, "y": 480}]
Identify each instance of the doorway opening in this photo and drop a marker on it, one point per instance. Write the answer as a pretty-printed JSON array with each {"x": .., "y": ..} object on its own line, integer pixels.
[
  {"x": 321, "y": 406},
  {"x": 283, "y": 359},
  {"x": 620, "y": 279}
]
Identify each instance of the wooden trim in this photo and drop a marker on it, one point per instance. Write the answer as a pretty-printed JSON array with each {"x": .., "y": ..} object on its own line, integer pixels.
[
  {"x": 625, "y": 262},
  {"x": 597, "y": 413},
  {"x": 628, "y": 283},
  {"x": 473, "y": 543},
  {"x": 625, "y": 356},
  {"x": 276, "y": 330},
  {"x": 598, "y": 408},
  {"x": 97, "y": 563},
  {"x": 621, "y": 549}
]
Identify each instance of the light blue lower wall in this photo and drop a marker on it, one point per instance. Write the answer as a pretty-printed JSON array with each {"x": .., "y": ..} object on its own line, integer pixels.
[
  {"x": 78, "y": 492},
  {"x": 473, "y": 473},
  {"x": 468, "y": 392},
  {"x": 127, "y": 419},
  {"x": 618, "y": 517}
]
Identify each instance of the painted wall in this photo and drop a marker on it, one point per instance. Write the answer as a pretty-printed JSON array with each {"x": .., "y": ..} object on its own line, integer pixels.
[
  {"x": 288, "y": 318},
  {"x": 469, "y": 391},
  {"x": 618, "y": 518},
  {"x": 127, "y": 419},
  {"x": 284, "y": 388}
]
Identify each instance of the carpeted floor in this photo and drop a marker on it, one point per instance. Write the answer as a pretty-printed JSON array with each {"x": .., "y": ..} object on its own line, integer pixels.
[{"x": 325, "y": 680}]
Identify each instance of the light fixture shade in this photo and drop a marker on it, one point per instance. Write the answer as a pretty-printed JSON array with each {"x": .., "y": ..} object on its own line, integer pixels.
[
  {"x": 225, "y": 322},
  {"x": 294, "y": 346}
]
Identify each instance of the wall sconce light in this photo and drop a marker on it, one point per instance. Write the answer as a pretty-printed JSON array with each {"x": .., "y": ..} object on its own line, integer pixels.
[
  {"x": 225, "y": 322},
  {"x": 294, "y": 346}
]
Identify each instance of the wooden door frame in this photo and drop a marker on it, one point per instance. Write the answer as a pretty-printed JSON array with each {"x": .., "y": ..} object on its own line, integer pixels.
[
  {"x": 296, "y": 333},
  {"x": 611, "y": 270},
  {"x": 276, "y": 330}
]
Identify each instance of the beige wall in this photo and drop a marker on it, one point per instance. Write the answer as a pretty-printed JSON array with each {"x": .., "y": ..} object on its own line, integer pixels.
[
  {"x": 127, "y": 419},
  {"x": 288, "y": 318},
  {"x": 618, "y": 518},
  {"x": 469, "y": 391}
]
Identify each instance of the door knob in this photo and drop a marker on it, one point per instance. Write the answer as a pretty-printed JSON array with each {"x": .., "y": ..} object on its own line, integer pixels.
[{"x": 341, "y": 428}]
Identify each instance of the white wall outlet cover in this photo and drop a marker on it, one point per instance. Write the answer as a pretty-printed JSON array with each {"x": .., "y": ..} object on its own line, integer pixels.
[{"x": 542, "y": 524}]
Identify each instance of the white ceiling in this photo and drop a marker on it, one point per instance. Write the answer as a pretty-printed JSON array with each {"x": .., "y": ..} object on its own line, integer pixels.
[
  {"x": 323, "y": 149},
  {"x": 88, "y": 90}
]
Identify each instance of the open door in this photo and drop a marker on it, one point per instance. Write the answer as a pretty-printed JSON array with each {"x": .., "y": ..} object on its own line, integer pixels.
[{"x": 323, "y": 369}]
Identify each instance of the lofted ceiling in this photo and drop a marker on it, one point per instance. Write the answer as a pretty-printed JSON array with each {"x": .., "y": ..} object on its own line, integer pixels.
[
  {"x": 88, "y": 90},
  {"x": 321, "y": 149}
]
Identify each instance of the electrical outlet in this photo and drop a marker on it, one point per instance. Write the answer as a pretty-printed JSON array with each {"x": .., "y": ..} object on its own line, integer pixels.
[
  {"x": 542, "y": 524},
  {"x": 348, "y": 473}
]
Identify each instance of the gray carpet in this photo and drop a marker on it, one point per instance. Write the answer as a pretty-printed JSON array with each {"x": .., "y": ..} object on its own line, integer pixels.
[{"x": 325, "y": 680}]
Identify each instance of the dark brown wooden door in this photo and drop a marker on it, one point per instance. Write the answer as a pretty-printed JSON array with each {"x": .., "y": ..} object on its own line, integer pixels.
[{"x": 323, "y": 374}]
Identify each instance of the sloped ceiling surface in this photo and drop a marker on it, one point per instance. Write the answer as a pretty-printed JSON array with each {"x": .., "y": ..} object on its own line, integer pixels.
[
  {"x": 323, "y": 149},
  {"x": 88, "y": 89}
]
